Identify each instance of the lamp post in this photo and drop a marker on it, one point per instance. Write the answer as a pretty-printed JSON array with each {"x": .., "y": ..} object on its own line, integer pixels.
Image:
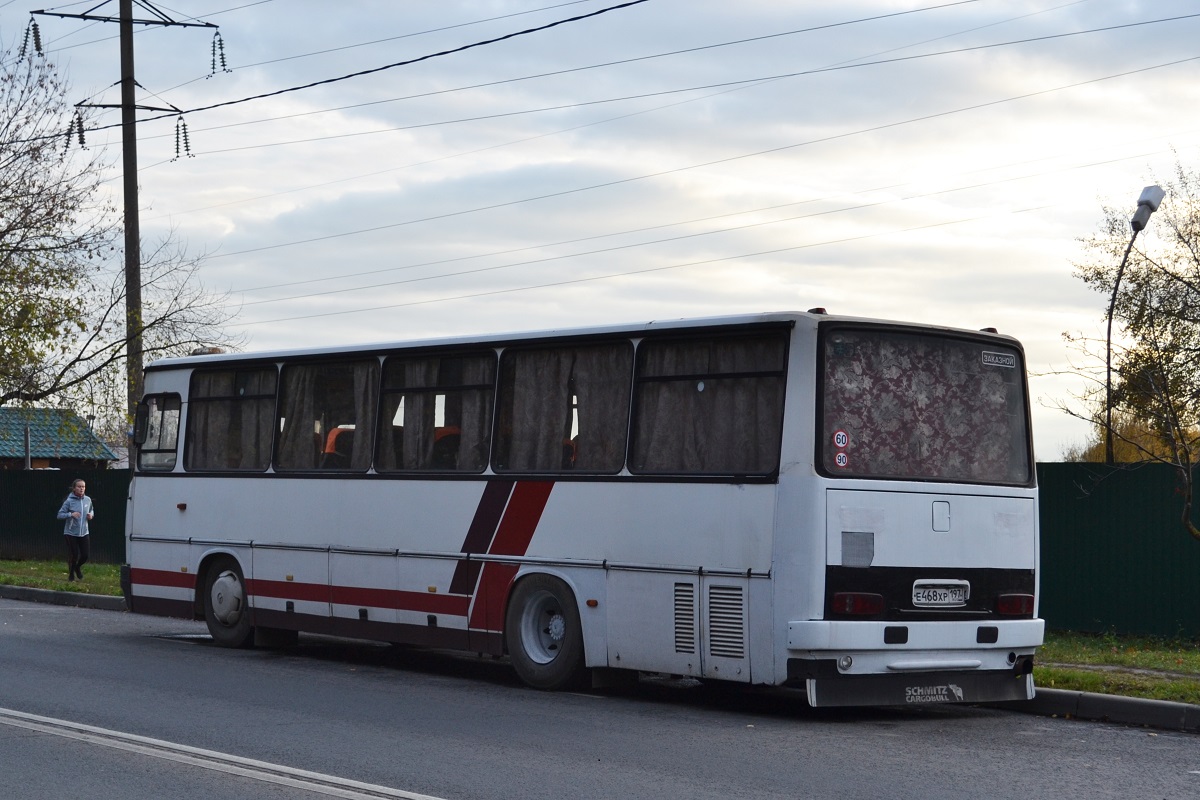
[{"x": 1147, "y": 204}]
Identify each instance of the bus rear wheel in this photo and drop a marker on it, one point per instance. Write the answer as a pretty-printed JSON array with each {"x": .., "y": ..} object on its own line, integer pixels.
[
  {"x": 225, "y": 607},
  {"x": 543, "y": 634}
]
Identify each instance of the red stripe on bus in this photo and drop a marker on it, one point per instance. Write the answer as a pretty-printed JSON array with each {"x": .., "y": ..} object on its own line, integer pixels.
[
  {"x": 162, "y": 577},
  {"x": 424, "y": 602},
  {"x": 512, "y": 538},
  {"x": 288, "y": 590},
  {"x": 521, "y": 518},
  {"x": 479, "y": 536}
]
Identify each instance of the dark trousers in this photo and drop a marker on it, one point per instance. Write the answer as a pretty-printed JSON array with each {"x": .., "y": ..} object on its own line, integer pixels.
[{"x": 77, "y": 552}]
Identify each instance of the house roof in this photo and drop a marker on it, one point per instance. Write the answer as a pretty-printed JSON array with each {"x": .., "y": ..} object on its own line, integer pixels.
[{"x": 53, "y": 433}]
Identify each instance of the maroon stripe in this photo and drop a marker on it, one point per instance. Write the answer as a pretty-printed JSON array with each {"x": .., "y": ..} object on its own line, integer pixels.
[
  {"x": 512, "y": 539},
  {"x": 425, "y": 602},
  {"x": 288, "y": 590},
  {"x": 521, "y": 518},
  {"x": 162, "y": 577},
  {"x": 479, "y": 535}
]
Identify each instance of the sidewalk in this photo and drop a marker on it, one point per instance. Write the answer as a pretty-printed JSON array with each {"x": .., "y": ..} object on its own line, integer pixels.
[{"x": 1048, "y": 702}]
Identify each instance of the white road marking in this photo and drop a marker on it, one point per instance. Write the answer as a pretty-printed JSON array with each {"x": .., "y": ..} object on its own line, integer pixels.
[{"x": 209, "y": 759}]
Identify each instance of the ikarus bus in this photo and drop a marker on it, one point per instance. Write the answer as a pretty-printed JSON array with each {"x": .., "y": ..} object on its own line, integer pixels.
[{"x": 846, "y": 506}]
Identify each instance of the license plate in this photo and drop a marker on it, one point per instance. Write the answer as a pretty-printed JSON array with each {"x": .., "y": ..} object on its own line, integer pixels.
[{"x": 940, "y": 594}]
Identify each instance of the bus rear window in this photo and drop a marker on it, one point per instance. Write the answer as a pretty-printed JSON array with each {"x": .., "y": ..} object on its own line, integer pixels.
[{"x": 918, "y": 406}]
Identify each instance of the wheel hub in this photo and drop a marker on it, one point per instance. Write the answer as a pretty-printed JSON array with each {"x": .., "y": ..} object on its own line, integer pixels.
[
  {"x": 227, "y": 598},
  {"x": 557, "y": 628}
]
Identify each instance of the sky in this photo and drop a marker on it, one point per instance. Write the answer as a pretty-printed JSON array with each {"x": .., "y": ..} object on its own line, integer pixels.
[{"x": 459, "y": 167}]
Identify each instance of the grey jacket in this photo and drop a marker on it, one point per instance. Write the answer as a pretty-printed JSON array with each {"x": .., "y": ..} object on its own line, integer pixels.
[{"x": 76, "y": 527}]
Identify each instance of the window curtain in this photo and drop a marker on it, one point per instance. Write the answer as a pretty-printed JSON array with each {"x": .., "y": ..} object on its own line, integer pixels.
[
  {"x": 601, "y": 378},
  {"x": 257, "y": 415},
  {"x": 540, "y": 409},
  {"x": 365, "y": 377},
  {"x": 208, "y": 445},
  {"x": 702, "y": 409},
  {"x": 298, "y": 445},
  {"x": 476, "y": 424},
  {"x": 419, "y": 411}
]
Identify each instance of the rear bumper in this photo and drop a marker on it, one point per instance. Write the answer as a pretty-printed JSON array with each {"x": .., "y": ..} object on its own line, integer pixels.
[{"x": 840, "y": 636}]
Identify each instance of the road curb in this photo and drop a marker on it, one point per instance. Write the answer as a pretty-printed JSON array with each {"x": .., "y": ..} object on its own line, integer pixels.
[
  {"x": 77, "y": 599},
  {"x": 1161, "y": 714}
]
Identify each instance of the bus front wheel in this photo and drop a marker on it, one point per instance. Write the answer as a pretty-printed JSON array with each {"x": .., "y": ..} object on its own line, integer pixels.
[
  {"x": 225, "y": 608},
  {"x": 543, "y": 634}
]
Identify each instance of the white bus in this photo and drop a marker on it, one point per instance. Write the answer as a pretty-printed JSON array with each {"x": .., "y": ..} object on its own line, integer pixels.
[{"x": 843, "y": 505}]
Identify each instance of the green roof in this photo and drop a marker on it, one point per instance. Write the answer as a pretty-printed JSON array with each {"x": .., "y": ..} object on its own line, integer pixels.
[{"x": 53, "y": 433}]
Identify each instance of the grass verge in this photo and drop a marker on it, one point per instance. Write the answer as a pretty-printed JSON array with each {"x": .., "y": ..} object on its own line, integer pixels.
[
  {"x": 1149, "y": 667},
  {"x": 97, "y": 578},
  {"x": 1133, "y": 666},
  {"x": 1118, "y": 682}
]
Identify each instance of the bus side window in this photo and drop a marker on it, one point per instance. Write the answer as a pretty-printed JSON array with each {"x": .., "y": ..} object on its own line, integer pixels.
[
  {"x": 230, "y": 413},
  {"x": 709, "y": 405},
  {"x": 564, "y": 408},
  {"x": 439, "y": 411},
  {"x": 157, "y": 432},
  {"x": 319, "y": 400}
]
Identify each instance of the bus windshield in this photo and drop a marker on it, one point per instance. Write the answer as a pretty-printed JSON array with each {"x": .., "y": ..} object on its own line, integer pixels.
[{"x": 904, "y": 405}]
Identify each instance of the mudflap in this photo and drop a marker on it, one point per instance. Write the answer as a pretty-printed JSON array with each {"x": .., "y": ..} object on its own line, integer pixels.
[{"x": 913, "y": 689}]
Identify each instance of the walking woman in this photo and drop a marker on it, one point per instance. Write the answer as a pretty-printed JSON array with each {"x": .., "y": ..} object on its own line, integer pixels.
[{"x": 76, "y": 510}]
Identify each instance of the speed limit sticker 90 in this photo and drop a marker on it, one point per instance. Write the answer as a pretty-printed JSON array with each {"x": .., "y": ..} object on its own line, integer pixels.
[{"x": 842, "y": 460}]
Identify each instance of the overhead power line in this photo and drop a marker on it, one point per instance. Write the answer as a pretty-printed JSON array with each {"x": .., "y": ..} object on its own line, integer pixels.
[
  {"x": 418, "y": 59},
  {"x": 725, "y": 90},
  {"x": 714, "y": 162},
  {"x": 635, "y": 59},
  {"x": 645, "y": 95},
  {"x": 680, "y": 237},
  {"x": 644, "y": 271}
]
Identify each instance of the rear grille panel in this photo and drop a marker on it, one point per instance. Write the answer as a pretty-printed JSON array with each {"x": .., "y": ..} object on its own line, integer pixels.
[{"x": 726, "y": 622}]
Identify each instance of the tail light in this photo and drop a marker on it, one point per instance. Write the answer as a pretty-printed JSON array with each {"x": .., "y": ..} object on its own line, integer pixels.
[
  {"x": 1015, "y": 605},
  {"x": 859, "y": 604}
]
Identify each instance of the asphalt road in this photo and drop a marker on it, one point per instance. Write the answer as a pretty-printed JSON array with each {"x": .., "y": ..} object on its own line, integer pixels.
[{"x": 105, "y": 704}]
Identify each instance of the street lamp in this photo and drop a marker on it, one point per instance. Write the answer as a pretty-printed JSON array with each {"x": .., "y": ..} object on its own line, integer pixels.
[{"x": 1147, "y": 204}]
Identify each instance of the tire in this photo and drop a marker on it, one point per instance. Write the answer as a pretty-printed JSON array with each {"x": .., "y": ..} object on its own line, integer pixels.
[
  {"x": 225, "y": 608},
  {"x": 543, "y": 634}
]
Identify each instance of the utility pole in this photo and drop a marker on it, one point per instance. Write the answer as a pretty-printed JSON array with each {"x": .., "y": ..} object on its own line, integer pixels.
[
  {"x": 129, "y": 167},
  {"x": 133, "y": 232}
]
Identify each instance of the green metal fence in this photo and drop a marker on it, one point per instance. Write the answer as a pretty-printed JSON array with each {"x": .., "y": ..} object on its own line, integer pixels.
[
  {"x": 1114, "y": 556},
  {"x": 1114, "y": 553},
  {"x": 30, "y": 499}
]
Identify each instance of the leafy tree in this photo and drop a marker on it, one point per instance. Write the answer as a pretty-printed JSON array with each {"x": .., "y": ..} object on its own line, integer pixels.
[
  {"x": 62, "y": 313},
  {"x": 1156, "y": 373}
]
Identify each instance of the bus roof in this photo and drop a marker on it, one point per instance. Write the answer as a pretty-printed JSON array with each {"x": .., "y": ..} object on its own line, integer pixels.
[{"x": 633, "y": 328}]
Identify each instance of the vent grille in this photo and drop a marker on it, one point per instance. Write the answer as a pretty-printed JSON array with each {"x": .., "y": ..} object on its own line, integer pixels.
[
  {"x": 726, "y": 622},
  {"x": 685, "y": 618}
]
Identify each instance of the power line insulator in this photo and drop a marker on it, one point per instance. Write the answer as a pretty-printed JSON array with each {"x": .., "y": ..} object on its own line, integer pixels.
[
  {"x": 218, "y": 55},
  {"x": 181, "y": 138},
  {"x": 33, "y": 30}
]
